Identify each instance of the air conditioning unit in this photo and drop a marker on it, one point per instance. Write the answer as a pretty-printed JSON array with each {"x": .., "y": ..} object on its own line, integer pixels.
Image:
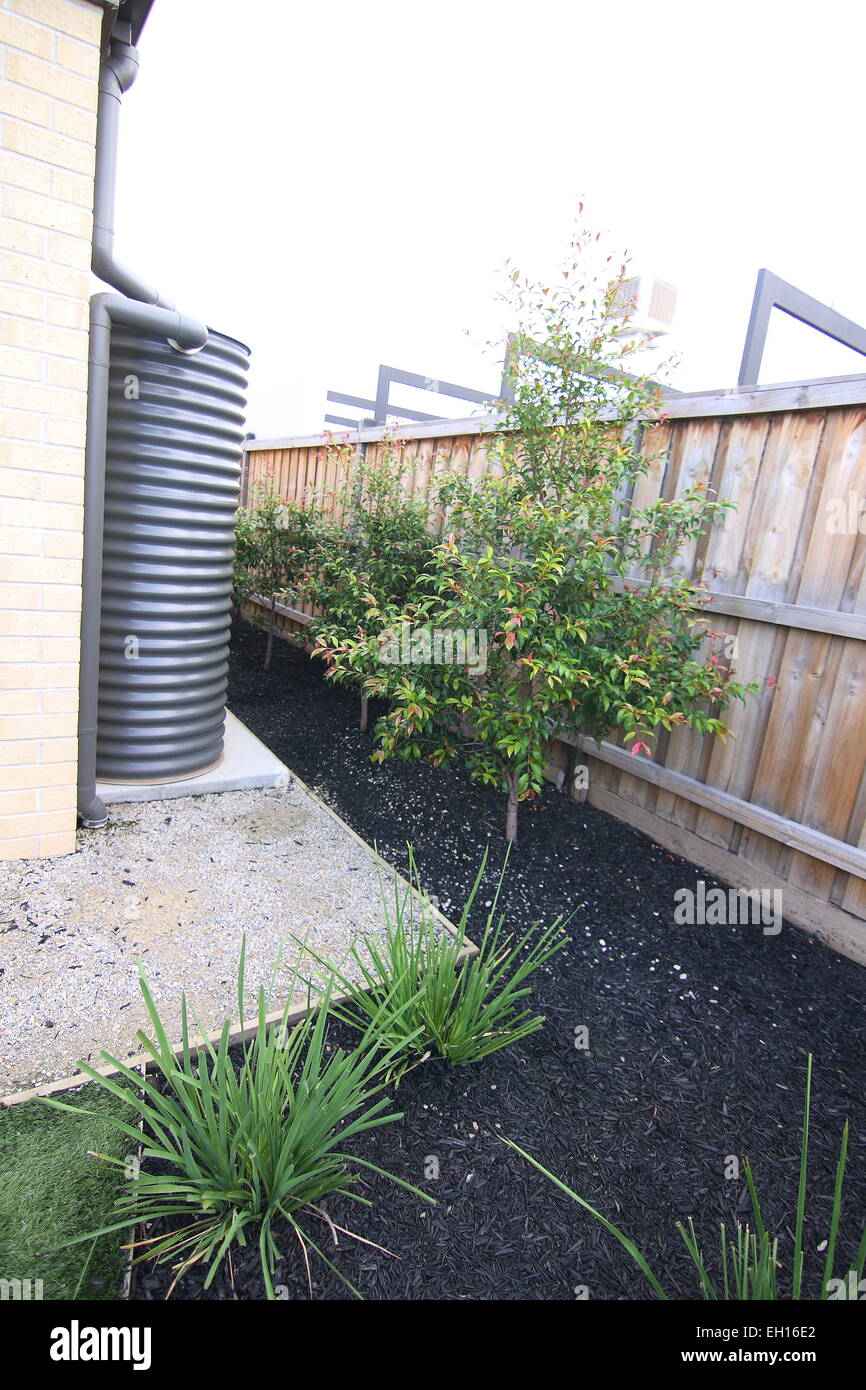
[{"x": 649, "y": 305}]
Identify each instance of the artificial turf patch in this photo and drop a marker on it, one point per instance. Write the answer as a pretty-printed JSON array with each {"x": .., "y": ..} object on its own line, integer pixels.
[{"x": 51, "y": 1190}]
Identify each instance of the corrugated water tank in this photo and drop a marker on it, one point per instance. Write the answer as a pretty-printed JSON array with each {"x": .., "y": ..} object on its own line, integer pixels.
[{"x": 176, "y": 426}]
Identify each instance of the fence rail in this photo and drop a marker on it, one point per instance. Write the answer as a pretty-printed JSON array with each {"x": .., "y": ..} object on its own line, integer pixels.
[{"x": 783, "y": 803}]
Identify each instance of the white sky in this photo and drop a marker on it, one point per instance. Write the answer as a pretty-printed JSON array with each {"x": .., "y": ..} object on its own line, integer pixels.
[{"x": 340, "y": 184}]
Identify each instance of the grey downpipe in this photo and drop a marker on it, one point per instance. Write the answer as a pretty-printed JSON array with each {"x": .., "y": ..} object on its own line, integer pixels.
[
  {"x": 143, "y": 309},
  {"x": 118, "y": 70}
]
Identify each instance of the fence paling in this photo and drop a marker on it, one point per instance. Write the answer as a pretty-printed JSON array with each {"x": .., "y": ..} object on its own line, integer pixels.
[{"x": 783, "y": 584}]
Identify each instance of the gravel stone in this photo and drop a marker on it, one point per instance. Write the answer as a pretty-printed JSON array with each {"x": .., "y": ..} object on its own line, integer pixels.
[{"x": 173, "y": 886}]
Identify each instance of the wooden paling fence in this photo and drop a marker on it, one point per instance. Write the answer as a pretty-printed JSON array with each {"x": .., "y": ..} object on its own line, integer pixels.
[{"x": 782, "y": 805}]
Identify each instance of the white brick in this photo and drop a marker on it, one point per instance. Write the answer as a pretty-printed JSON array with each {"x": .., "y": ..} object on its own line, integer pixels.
[
  {"x": 70, "y": 250},
  {"x": 73, "y": 121},
  {"x": 47, "y": 212},
  {"x": 52, "y": 846},
  {"x": 33, "y": 395},
  {"x": 15, "y": 299},
  {"x": 64, "y": 372},
  {"x": 44, "y": 275},
  {"x": 28, "y": 569},
  {"x": 49, "y": 59},
  {"x": 39, "y": 624},
  {"x": 42, "y": 458},
  {"x": 62, "y": 544},
  {"x": 68, "y": 313},
  {"x": 43, "y": 337},
  {"x": 73, "y": 188},
  {"x": 75, "y": 17},
  {"x": 58, "y": 431},
  {"x": 61, "y": 700},
  {"x": 18, "y": 424},
  {"x": 19, "y": 484},
  {"x": 40, "y": 76},
  {"x": 58, "y": 151},
  {"x": 63, "y": 489},
  {"x": 17, "y": 171},
  {"x": 25, "y": 848},
  {"x": 20, "y": 101},
  {"x": 55, "y": 798},
  {"x": 20, "y": 236},
  {"x": 22, "y": 366},
  {"x": 82, "y": 58},
  {"x": 20, "y": 33}
]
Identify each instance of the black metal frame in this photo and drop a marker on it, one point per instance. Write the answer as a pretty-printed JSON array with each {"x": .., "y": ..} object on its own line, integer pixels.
[
  {"x": 382, "y": 406},
  {"x": 773, "y": 293}
]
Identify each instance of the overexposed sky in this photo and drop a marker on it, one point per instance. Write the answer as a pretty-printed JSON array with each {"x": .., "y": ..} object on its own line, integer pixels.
[{"x": 340, "y": 184}]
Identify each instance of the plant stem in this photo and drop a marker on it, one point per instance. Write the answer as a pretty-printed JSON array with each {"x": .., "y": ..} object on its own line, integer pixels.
[
  {"x": 272, "y": 622},
  {"x": 511, "y": 813}
]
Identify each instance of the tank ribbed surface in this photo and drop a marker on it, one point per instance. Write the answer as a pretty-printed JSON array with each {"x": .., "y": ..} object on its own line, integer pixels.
[{"x": 176, "y": 427}]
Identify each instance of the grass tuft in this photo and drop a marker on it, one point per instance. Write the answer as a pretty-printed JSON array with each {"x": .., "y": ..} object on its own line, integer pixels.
[
  {"x": 242, "y": 1151},
  {"x": 424, "y": 1001}
]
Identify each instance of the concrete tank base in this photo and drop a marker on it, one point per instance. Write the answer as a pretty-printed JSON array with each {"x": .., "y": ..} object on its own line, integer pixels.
[{"x": 246, "y": 763}]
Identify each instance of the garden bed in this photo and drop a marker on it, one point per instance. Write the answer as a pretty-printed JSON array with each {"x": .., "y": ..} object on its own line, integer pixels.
[{"x": 697, "y": 1046}]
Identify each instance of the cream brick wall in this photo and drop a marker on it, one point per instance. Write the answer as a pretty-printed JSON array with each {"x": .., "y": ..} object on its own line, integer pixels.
[{"x": 49, "y": 62}]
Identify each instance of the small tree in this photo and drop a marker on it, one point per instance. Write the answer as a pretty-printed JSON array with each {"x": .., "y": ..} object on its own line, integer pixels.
[
  {"x": 275, "y": 546},
  {"x": 534, "y": 559},
  {"x": 369, "y": 559},
  {"x": 243, "y": 559}
]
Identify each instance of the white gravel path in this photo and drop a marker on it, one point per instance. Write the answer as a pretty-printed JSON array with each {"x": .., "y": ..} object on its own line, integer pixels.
[{"x": 173, "y": 885}]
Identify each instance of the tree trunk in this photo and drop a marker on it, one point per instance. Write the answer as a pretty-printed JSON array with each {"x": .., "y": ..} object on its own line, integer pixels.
[
  {"x": 364, "y": 713},
  {"x": 272, "y": 622},
  {"x": 511, "y": 813}
]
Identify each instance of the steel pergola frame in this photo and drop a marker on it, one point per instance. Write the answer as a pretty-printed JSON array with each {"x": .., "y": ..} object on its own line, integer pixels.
[{"x": 771, "y": 293}]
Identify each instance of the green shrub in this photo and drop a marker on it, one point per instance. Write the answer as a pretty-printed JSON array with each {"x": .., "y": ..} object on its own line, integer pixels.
[
  {"x": 534, "y": 557},
  {"x": 246, "y": 1146},
  {"x": 370, "y": 557},
  {"x": 275, "y": 547}
]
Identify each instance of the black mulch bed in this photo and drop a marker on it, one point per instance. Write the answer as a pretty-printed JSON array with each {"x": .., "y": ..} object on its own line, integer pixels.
[{"x": 698, "y": 1038}]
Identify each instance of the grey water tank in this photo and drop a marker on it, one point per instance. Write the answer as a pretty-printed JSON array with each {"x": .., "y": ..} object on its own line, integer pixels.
[{"x": 176, "y": 426}]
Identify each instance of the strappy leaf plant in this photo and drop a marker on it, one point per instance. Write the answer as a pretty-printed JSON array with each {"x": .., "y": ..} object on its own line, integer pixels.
[
  {"x": 245, "y": 1149},
  {"x": 427, "y": 996}
]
